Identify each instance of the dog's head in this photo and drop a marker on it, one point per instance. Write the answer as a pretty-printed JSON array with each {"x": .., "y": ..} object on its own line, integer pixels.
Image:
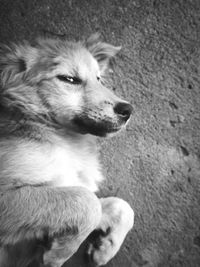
[{"x": 63, "y": 81}]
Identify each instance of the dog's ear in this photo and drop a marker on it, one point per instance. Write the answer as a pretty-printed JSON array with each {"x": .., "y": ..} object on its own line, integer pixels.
[
  {"x": 14, "y": 62},
  {"x": 101, "y": 51}
]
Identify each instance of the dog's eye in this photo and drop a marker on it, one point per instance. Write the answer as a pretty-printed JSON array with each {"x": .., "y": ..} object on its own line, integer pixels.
[
  {"x": 69, "y": 79},
  {"x": 98, "y": 78}
]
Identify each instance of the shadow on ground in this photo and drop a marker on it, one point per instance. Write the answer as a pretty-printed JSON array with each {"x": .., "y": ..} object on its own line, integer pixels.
[{"x": 155, "y": 163}]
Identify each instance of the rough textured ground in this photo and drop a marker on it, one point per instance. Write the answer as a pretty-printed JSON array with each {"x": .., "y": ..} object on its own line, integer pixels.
[{"x": 155, "y": 163}]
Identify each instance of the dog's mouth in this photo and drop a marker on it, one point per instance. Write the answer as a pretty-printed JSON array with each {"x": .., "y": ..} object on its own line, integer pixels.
[{"x": 99, "y": 128}]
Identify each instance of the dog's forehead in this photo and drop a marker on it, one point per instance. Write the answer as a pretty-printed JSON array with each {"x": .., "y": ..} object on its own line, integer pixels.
[
  {"x": 77, "y": 60},
  {"x": 80, "y": 61}
]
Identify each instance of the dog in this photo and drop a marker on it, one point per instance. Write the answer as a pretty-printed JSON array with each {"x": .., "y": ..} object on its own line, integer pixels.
[{"x": 53, "y": 106}]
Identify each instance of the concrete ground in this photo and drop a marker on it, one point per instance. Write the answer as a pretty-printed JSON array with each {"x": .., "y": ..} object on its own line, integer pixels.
[{"x": 155, "y": 163}]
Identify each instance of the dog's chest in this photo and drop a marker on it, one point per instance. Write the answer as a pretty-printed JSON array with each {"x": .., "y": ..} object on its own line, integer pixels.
[
  {"x": 57, "y": 164},
  {"x": 75, "y": 167}
]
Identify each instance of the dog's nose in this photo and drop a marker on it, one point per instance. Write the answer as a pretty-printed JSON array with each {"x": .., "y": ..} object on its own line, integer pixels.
[{"x": 123, "y": 110}]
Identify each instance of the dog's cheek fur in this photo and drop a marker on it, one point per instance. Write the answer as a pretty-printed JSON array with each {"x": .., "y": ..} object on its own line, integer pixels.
[
  {"x": 25, "y": 98},
  {"x": 62, "y": 103}
]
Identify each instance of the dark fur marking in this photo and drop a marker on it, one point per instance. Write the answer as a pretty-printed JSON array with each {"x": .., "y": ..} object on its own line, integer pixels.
[
  {"x": 88, "y": 125},
  {"x": 21, "y": 65}
]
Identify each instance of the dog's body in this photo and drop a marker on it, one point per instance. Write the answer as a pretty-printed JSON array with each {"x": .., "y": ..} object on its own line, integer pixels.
[{"x": 52, "y": 106}]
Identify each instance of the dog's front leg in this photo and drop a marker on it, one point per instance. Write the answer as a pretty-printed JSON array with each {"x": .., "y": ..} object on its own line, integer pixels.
[
  {"x": 53, "y": 220},
  {"x": 106, "y": 240},
  {"x": 86, "y": 214}
]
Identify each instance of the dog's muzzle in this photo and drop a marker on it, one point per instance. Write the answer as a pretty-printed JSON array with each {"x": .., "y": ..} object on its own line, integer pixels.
[{"x": 89, "y": 124}]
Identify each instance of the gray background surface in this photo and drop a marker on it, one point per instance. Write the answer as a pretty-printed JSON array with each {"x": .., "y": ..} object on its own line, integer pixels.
[{"x": 155, "y": 163}]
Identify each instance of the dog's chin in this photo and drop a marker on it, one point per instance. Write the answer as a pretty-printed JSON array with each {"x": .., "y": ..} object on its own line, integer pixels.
[{"x": 101, "y": 129}]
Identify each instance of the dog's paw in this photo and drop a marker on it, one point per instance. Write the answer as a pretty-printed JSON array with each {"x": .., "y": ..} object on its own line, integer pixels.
[
  {"x": 102, "y": 247},
  {"x": 104, "y": 243}
]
